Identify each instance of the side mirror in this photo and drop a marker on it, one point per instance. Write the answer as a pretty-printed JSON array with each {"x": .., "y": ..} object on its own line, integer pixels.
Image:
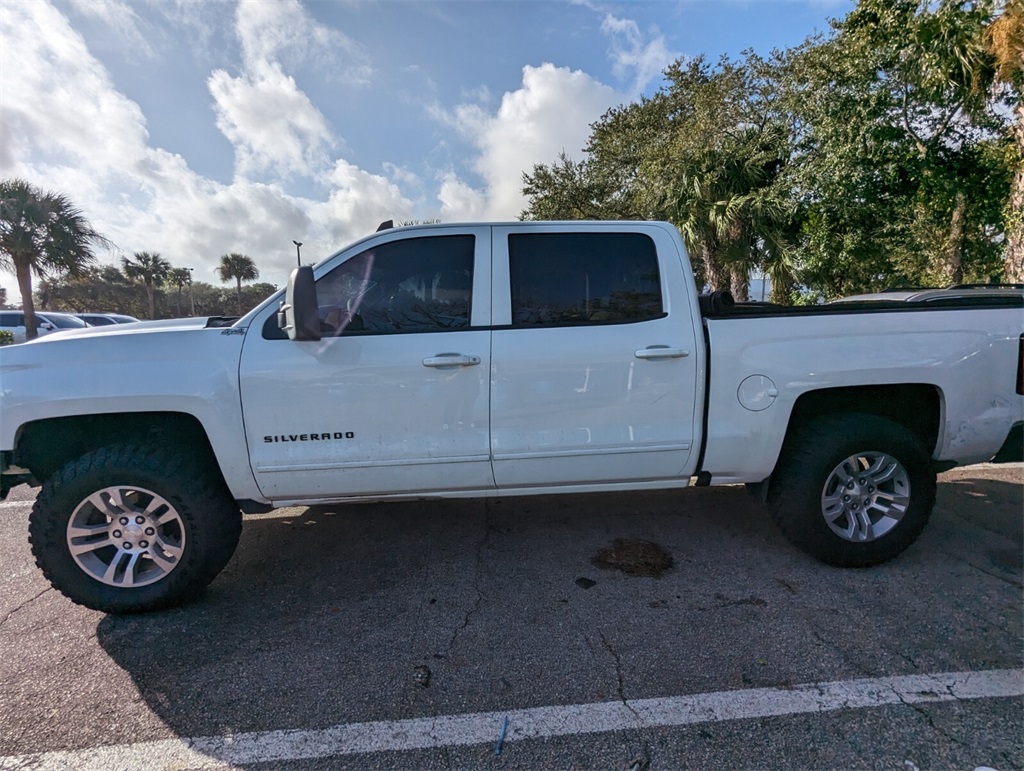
[
  {"x": 45, "y": 325},
  {"x": 299, "y": 314}
]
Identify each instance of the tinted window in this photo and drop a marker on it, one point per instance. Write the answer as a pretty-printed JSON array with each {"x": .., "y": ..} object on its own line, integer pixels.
[
  {"x": 11, "y": 320},
  {"x": 64, "y": 322},
  {"x": 413, "y": 285},
  {"x": 583, "y": 278}
]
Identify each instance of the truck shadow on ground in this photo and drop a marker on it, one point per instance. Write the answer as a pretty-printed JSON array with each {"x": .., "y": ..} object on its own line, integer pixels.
[{"x": 330, "y": 615}]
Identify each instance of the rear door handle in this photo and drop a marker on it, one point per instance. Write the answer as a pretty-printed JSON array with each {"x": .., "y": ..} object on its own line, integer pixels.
[
  {"x": 661, "y": 352},
  {"x": 443, "y": 360}
]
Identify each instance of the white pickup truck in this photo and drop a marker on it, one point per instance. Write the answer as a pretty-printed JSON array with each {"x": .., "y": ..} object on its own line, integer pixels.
[{"x": 494, "y": 360}]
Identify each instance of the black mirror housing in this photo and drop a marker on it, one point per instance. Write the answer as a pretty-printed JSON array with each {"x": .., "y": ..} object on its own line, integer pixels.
[{"x": 299, "y": 314}]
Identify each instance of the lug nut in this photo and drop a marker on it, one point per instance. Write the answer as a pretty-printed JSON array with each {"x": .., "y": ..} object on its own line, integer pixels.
[
  {"x": 140, "y": 519},
  {"x": 871, "y": 489},
  {"x": 855, "y": 506},
  {"x": 126, "y": 545},
  {"x": 116, "y": 534},
  {"x": 144, "y": 544},
  {"x": 150, "y": 531},
  {"x": 846, "y": 497},
  {"x": 849, "y": 485},
  {"x": 861, "y": 481},
  {"x": 124, "y": 520}
]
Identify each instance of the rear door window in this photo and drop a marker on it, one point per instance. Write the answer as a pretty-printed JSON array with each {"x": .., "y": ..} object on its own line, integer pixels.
[{"x": 570, "y": 279}]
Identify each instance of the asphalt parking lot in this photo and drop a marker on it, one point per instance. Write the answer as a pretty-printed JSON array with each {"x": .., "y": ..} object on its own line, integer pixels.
[{"x": 416, "y": 635}]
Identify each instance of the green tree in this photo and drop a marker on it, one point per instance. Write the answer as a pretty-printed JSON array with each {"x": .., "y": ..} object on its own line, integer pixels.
[
  {"x": 179, "y": 278},
  {"x": 100, "y": 289},
  {"x": 42, "y": 233},
  {"x": 149, "y": 268},
  {"x": 728, "y": 148},
  {"x": 876, "y": 156},
  {"x": 899, "y": 147},
  {"x": 565, "y": 190},
  {"x": 238, "y": 267},
  {"x": 705, "y": 152},
  {"x": 1005, "y": 38}
]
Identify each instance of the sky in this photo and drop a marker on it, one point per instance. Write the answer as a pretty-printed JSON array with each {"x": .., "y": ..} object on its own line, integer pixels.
[{"x": 195, "y": 128}]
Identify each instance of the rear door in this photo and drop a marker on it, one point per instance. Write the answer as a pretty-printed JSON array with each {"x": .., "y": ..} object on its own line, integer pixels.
[
  {"x": 594, "y": 357},
  {"x": 394, "y": 398}
]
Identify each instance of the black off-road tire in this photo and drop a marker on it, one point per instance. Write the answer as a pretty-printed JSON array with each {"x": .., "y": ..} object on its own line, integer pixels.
[
  {"x": 806, "y": 466},
  {"x": 205, "y": 511}
]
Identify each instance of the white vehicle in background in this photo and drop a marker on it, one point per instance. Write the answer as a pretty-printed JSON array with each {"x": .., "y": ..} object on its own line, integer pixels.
[
  {"x": 979, "y": 293},
  {"x": 495, "y": 359},
  {"x": 105, "y": 319},
  {"x": 46, "y": 323}
]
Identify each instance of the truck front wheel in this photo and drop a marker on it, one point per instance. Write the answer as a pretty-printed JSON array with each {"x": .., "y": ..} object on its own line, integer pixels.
[
  {"x": 133, "y": 527},
  {"x": 852, "y": 490}
]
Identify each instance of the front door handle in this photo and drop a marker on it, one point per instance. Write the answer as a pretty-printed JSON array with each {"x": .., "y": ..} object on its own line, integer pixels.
[
  {"x": 661, "y": 352},
  {"x": 443, "y": 360}
]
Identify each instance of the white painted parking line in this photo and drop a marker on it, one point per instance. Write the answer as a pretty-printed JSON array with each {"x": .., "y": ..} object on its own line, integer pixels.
[
  {"x": 540, "y": 722},
  {"x": 15, "y": 504}
]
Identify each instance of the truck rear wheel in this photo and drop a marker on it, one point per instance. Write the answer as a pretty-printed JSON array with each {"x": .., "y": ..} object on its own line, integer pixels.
[
  {"x": 133, "y": 527},
  {"x": 852, "y": 490}
]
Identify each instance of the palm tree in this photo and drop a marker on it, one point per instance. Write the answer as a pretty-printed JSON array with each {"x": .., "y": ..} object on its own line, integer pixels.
[
  {"x": 238, "y": 267},
  {"x": 42, "y": 233},
  {"x": 1005, "y": 39},
  {"x": 728, "y": 212},
  {"x": 151, "y": 269},
  {"x": 179, "y": 277}
]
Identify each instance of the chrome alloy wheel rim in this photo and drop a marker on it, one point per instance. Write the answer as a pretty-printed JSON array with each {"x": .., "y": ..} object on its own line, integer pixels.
[
  {"x": 865, "y": 496},
  {"x": 126, "y": 536}
]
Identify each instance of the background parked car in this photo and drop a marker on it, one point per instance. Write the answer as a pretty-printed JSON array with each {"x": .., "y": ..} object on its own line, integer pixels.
[
  {"x": 105, "y": 319},
  {"x": 46, "y": 322},
  {"x": 995, "y": 292}
]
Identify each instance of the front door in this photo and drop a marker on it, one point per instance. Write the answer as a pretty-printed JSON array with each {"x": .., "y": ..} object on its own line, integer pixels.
[{"x": 394, "y": 398}]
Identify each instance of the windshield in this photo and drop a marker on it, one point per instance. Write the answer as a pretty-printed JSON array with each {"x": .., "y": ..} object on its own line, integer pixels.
[{"x": 66, "y": 322}]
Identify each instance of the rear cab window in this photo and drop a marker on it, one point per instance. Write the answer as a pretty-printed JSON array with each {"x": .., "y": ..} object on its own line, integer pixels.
[{"x": 573, "y": 279}]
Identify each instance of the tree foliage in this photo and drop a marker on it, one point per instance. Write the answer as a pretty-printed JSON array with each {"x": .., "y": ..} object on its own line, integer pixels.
[
  {"x": 876, "y": 156},
  {"x": 179, "y": 278},
  {"x": 1005, "y": 39},
  {"x": 42, "y": 234},
  {"x": 238, "y": 267},
  {"x": 108, "y": 290},
  {"x": 901, "y": 162},
  {"x": 112, "y": 290},
  {"x": 149, "y": 268}
]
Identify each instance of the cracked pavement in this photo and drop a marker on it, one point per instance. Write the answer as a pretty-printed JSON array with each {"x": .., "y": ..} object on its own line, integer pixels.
[{"x": 324, "y": 614}]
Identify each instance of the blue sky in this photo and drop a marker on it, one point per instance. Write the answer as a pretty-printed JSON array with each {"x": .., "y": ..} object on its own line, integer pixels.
[{"x": 193, "y": 128}]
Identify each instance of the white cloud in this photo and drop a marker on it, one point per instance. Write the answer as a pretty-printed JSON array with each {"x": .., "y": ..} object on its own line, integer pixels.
[
  {"x": 57, "y": 97},
  {"x": 121, "y": 17},
  {"x": 459, "y": 201},
  {"x": 283, "y": 31},
  {"x": 632, "y": 57},
  {"x": 402, "y": 175},
  {"x": 271, "y": 123},
  {"x": 64, "y": 126},
  {"x": 359, "y": 202},
  {"x": 550, "y": 113}
]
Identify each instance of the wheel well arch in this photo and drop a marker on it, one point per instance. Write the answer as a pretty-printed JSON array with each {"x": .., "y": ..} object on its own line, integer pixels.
[
  {"x": 915, "y": 406},
  {"x": 44, "y": 446}
]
